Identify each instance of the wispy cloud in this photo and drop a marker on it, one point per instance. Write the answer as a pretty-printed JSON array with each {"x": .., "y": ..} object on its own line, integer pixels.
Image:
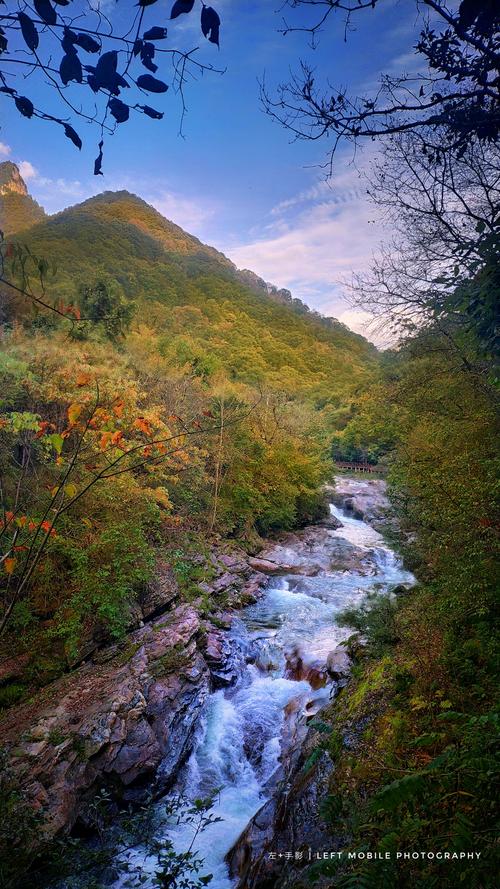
[
  {"x": 316, "y": 239},
  {"x": 27, "y": 170},
  {"x": 5, "y": 149}
]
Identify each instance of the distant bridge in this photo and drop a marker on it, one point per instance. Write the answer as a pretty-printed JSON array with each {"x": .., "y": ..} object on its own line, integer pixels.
[{"x": 360, "y": 467}]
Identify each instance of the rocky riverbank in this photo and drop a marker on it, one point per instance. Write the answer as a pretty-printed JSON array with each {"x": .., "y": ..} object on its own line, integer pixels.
[{"x": 124, "y": 720}]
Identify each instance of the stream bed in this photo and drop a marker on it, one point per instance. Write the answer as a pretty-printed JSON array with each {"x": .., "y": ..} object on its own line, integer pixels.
[{"x": 280, "y": 647}]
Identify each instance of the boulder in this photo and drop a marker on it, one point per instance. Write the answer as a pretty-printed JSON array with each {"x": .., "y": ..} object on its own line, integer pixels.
[{"x": 338, "y": 663}]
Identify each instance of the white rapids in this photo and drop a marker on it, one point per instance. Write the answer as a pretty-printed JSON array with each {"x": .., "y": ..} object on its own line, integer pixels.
[{"x": 239, "y": 741}]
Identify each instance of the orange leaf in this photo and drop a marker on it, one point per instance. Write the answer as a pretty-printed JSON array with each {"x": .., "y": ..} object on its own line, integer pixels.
[
  {"x": 118, "y": 408},
  {"x": 45, "y": 526},
  {"x": 83, "y": 379},
  {"x": 147, "y": 451},
  {"x": 105, "y": 440},
  {"x": 116, "y": 437},
  {"x": 144, "y": 425},
  {"x": 9, "y": 565}
]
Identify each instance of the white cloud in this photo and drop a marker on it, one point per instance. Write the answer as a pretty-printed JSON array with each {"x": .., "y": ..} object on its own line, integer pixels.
[
  {"x": 27, "y": 170},
  {"x": 315, "y": 241},
  {"x": 189, "y": 214},
  {"x": 5, "y": 150},
  {"x": 320, "y": 247}
]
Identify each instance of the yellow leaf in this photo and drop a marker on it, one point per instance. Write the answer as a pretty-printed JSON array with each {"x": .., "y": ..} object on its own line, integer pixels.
[
  {"x": 162, "y": 498},
  {"x": 74, "y": 412},
  {"x": 9, "y": 565},
  {"x": 70, "y": 490}
]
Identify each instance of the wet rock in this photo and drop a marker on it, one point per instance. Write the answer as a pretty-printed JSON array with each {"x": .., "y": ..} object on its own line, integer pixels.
[
  {"x": 338, "y": 663},
  {"x": 363, "y": 498},
  {"x": 114, "y": 723},
  {"x": 284, "y": 824},
  {"x": 299, "y": 669},
  {"x": 222, "y": 656},
  {"x": 265, "y": 566}
]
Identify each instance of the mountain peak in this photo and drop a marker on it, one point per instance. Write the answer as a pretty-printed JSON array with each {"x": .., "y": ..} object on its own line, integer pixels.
[
  {"x": 18, "y": 210},
  {"x": 11, "y": 180}
]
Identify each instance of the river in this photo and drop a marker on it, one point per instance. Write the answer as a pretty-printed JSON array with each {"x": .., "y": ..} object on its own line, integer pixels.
[{"x": 246, "y": 727}]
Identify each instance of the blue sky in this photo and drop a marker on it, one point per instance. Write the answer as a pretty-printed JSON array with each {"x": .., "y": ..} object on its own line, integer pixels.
[{"x": 236, "y": 180}]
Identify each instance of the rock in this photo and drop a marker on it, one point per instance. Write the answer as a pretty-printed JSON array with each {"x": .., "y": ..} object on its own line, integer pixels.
[
  {"x": 265, "y": 566},
  {"x": 160, "y": 593},
  {"x": 284, "y": 824},
  {"x": 120, "y": 724},
  {"x": 364, "y": 498},
  {"x": 224, "y": 582},
  {"x": 338, "y": 663},
  {"x": 221, "y": 656},
  {"x": 299, "y": 669},
  {"x": 13, "y": 668},
  {"x": 331, "y": 522}
]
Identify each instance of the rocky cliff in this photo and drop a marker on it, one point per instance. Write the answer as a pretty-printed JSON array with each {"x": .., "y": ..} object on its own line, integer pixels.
[{"x": 18, "y": 210}]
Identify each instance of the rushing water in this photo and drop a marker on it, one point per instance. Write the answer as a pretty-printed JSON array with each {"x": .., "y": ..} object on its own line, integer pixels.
[{"x": 240, "y": 739}]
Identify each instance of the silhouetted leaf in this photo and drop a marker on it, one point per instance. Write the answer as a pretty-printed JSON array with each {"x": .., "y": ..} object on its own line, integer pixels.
[
  {"x": 151, "y": 84},
  {"x": 73, "y": 135},
  {"x": 210, "y": 24},
  {"x": 137, "y": 47},
  {"x": 155, "y": 34},
  {"x": 181, "y": 6},
  {"x": 70, "y": 68},
  {"x": 151, "y": 112},
  {"x": 28, "y": 30},
  {"x": 46, "y": 11},
  {"x": 62, "y": 2},
  {"x": 119, "y": 110},
  {"x": 105, "y": 71},
  {"x": 3, "y": 41},
  {"x": 24, "y": 105},
  {"x": 150, "y": 65},
  {"x": 88, "y": 43},
  {"x": 98, "y": 161},
  {"x": 68, "y": 40},
  {"x": 146, "y": 2},
  {"x": 147, "y": 56}
]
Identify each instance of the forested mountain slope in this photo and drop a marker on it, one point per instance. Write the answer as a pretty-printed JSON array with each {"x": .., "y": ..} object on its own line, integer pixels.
[{"x": 193, "y": 299}]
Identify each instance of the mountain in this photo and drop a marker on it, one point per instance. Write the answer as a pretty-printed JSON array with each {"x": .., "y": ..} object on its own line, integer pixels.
[
  {"x": 18, "y": 210},
  {"x": 203, "y": 310}
]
